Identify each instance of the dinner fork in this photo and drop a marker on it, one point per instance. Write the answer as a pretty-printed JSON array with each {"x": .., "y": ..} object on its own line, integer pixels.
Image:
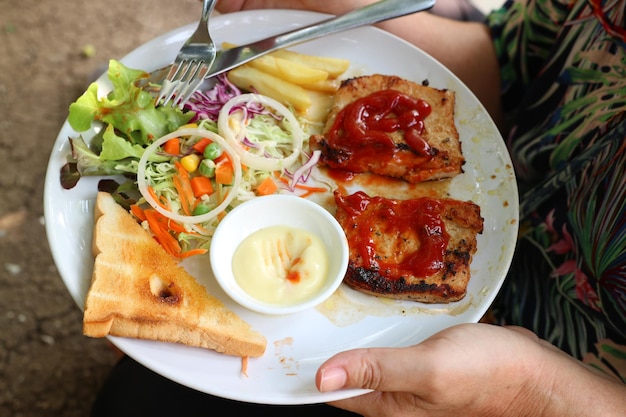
[{"x": 192, "y": 62}]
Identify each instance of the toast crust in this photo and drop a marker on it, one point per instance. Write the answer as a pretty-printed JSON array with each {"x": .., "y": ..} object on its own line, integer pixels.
[
  {"x": 388, "y": 255},
  {"x": 442, "y": 157},
  {"x": 140, "y": 291}
]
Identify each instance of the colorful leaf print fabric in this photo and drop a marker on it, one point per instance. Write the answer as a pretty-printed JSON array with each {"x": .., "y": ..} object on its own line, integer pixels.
[{"x": 564, "y": 93}]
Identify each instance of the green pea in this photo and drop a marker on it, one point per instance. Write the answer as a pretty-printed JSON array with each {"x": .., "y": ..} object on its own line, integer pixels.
[
  {"x": 212, "y": 151},
  {"x": 207, "y": 168},
  {"x": 201, "y": 209}
]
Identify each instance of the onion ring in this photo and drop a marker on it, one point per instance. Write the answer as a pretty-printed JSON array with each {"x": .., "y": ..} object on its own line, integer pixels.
[
  {"x": 143, "y": 185},
  {"x": 249, "y": 159}
]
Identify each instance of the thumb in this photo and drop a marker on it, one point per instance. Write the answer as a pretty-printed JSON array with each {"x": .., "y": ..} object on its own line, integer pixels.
[{"x": 379, "y": 369}]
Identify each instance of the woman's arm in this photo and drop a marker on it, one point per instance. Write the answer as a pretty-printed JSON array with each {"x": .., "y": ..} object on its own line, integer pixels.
[
  {"x": 465, "y": 48},
  {"x": 473, "y": 370}
]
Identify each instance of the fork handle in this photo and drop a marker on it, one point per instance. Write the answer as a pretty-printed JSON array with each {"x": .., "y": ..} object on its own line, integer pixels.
[
  {"x": 201, "y": 34},
  {"x": 207, "y": 9}
]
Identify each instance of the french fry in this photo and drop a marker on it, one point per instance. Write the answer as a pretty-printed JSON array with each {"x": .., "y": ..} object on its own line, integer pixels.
[
  {"x": 329, "y": 85},
  {"x": 289, "y": 70},
  {"x": 305, "y": 82},
  {"x": 333, "y": 66},
  {"x": 247, "y": 77},
  {"x": 265, "y": 63},
  {"x": 299, "y": 73},
  {"x": 318, "y": 111}
]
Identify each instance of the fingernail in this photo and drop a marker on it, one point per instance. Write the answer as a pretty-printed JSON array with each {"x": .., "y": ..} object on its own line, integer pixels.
[{"x": 333, "y": 379}]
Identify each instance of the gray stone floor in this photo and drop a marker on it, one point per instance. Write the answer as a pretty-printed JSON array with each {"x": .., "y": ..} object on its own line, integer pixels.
[{"x": 47, "y": 367}]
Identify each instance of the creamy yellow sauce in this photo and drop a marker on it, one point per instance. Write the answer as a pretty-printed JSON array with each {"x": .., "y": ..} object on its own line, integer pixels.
[{"x": 281, "y": 265}]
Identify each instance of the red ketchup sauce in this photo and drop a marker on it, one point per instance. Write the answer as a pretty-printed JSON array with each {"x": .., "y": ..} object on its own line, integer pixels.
[
  {"x": 363, "y": 126},
  {"x": 420, "y": 218}
]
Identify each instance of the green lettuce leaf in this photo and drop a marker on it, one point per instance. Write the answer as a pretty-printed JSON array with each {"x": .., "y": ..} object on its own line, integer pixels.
[
  {"x": 115, "y": 148},
  {"x": 130, "y": 110},
  {"x": 89, "y": 164}
]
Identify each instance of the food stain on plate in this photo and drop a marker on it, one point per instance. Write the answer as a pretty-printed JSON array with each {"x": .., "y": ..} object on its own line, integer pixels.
[
  {"x": 346, "y": 307},
  {"x": 283, "y": 348}
]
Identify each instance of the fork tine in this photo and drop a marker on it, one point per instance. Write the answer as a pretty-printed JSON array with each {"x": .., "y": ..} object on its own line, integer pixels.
[
  {"x": 184, "y": 80},
  {"x": 192, "y": 83},
  {"x": 168, "y": 84},
  {"x": 192, "y": 63},
  {"x": 181, "y": 76}
]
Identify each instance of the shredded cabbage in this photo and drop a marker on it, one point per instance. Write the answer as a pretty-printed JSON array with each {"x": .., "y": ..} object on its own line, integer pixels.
[
  {"x": 269, "y": 141},
  {"x": 207, "y": 104}
]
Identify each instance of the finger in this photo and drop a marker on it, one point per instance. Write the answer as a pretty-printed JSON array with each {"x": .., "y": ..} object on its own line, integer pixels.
[{"x": 380, "y": 369}]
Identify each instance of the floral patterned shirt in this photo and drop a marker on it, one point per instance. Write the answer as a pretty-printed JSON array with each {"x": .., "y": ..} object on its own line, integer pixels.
[{"x": 564, "y": 93}]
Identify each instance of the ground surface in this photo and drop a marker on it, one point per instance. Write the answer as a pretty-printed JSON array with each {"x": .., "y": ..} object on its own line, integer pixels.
[{"x": 47, "y": 367}]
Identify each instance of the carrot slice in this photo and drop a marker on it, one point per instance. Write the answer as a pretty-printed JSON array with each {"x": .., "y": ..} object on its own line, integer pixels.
[
  {"x": 172, "y": 146},
  {"x": 170, "y": 225},
  {"x": 192, "y": 252},
  {"x": 224, "y": 172},
  {"x": 267, "y": 187},
  {"x": 159, "y": 200},
  {"x": 138, "y": 212},
  {"x": 184, "y": 202},
  {"x": 169, "y": 242},
  {"x": 222, "y": 157},
  {"x": 165, "y": 231},
  {"x": 183, "y": 187},
  {"x": 201, "y": 186},
  {"x": 309, "y": 189},
  {"x": 244, "y": 366},
  {"x": 200, "y": 145}
]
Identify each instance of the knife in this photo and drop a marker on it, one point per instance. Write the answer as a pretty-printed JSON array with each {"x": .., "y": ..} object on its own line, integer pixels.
[{"x": 373, "y": 13}]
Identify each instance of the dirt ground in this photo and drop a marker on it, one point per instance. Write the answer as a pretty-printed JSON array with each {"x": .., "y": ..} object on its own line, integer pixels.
[{"x": 48, "y": 52}]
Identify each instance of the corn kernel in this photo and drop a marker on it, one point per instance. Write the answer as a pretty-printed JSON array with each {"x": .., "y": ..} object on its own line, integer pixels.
[
  {"x": 190, "y": 162},
  {"x": 235, "y": 125}
]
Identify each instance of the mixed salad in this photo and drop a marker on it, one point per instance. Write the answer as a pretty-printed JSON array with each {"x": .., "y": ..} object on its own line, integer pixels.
[{"x": 182, "y": 170}]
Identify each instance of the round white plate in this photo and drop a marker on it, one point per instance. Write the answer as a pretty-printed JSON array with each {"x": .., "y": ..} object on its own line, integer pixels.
[{"x": 298, "y": 344}]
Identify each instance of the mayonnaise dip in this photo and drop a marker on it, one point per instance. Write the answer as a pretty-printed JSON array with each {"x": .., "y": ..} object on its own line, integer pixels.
[{"x": 281, "y": 265}]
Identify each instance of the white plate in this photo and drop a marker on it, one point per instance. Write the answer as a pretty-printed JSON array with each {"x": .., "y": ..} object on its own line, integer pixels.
[{"x": 298, "y": 344}]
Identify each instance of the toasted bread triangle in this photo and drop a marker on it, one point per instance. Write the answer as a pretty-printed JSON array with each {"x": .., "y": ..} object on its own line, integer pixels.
[{"x": 140, "y": 291}]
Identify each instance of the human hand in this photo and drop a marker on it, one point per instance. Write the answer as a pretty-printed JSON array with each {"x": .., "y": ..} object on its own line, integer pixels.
[
  {"x": 469, "y": 370},
  {"x": 324, "y": 6}
]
